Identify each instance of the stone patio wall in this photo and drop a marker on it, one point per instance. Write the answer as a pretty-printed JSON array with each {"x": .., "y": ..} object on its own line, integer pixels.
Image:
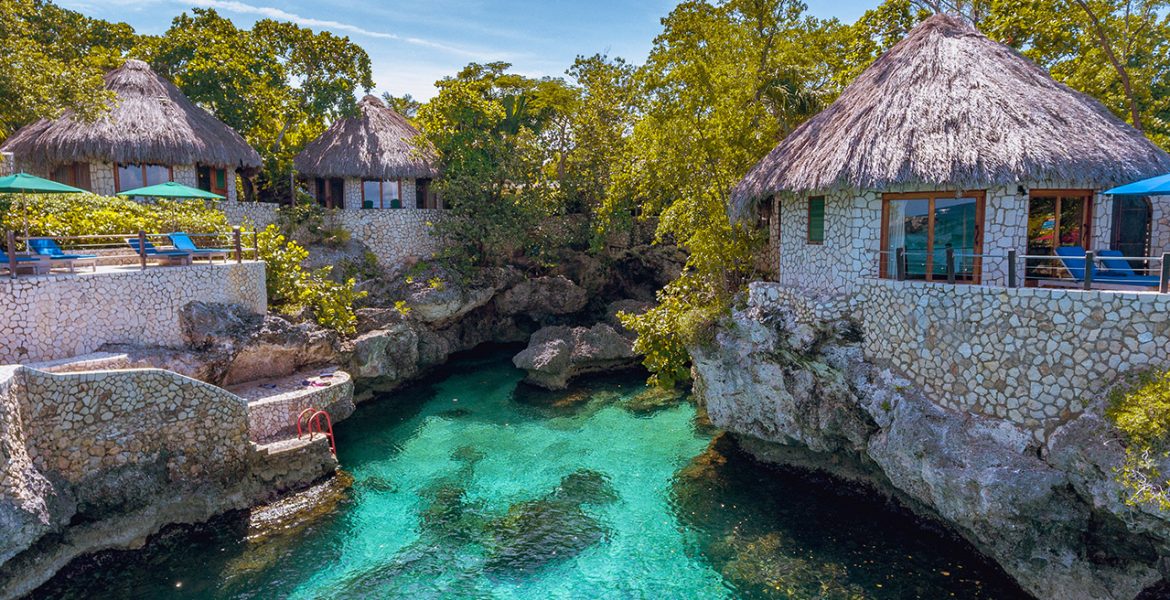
[{"x": 57, "y": 316}]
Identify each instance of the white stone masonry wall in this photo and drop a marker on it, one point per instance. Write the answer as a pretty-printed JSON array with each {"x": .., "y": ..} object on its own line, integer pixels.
[
  {"x": 58, "y": 316},
  {"x": 1034, "y": 356}
]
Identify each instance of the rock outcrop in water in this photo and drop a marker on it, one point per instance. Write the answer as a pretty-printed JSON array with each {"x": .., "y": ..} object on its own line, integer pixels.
[
  {"x": 1051, "y": 516},
  {"x": 557, "y": 354}
]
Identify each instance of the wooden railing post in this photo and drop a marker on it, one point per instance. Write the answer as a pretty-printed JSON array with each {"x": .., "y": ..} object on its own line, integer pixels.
[
  {"x": 950, "y": 264},
  {"x": 1164, "y": 282},
  {"x": 1012, "y": 260},
  {"x": 11, "y": 254},
  {"x": 255, "y": 245},
  {"x": 239, "y": 246},
  {"x": 142, "y": 249},
  {"x": 1090, "y": 260},
  {"x": 900, "y": 264}
]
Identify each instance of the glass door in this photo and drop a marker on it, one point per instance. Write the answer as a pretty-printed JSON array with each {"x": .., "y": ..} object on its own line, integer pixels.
[{"x": 1056, "y": 219}]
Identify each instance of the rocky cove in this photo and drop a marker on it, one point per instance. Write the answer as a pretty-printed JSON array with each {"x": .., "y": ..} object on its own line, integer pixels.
[{"x": 797, "y": 389}]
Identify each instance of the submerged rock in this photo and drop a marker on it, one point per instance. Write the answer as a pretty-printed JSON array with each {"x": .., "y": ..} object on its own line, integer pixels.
[
  {"x": 557, "y": 354},
  {"x": 802, "y": 395}
]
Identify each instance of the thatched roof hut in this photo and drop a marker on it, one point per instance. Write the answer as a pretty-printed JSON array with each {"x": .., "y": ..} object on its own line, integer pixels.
[
  {"x": 947, "y": 106},
  {"x": 378, "y": 143},
  {"x": 151, "y": 122}
]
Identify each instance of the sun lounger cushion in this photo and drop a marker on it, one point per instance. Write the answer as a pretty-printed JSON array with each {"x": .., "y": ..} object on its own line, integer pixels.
[
  {"x": 48, "y": 247},
  {"x": 182, "y": 241}
]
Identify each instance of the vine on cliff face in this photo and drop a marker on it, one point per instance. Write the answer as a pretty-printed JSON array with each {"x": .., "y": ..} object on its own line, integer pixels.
[{"x": 1142, "y": 414}]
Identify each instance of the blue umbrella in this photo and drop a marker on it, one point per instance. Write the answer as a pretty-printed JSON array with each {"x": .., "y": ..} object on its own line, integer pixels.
[{"x": 1154, "y": 186}]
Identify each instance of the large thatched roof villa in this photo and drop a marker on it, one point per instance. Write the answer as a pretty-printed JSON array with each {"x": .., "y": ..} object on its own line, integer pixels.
[
  {"x": 948, "y": 158},
  {"x": 151, "y": 134},
  {"x": 368, "y": 161},
  {"x": 951, "y": 138}
]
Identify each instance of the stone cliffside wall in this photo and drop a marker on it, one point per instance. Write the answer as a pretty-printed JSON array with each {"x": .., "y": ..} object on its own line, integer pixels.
[
  {"x": 1034, "y": 357},
  {"x": 259, "y": 214},
  {"x": 51, "y": 317},
  {"x": 393, "y": 235},
  {"x": 79, "y": 424},
  {"x": 1052, "y": 514}
]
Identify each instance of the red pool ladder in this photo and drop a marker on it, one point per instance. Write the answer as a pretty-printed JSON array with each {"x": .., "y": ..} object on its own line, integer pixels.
[{"x": 313, "y": 425}]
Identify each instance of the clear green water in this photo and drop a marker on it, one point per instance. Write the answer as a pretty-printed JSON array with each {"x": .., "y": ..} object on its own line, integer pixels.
[{"x": 473, "y": 486}]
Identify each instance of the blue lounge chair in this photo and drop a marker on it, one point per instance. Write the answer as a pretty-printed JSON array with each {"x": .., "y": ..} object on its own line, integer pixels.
[
  {"x": 38, "y": 264},
  {"x": 183, "y": 242},
  {"x": 48, "y": 247},
  {"x": 173, "y": 257},
  {"x": 1117, "y": 272}
]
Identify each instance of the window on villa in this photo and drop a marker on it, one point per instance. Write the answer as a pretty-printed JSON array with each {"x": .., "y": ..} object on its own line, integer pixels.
[
  {"x": 130, "y": 176},
  {"x": 381, "y": 193},
  {"x": 330, "y": 192},
  {"x": 213, "y": 179},
  {"x": 816, "y": 220},
  {"x": 75, "y": 174},
  {"x": 923, "y": 225},
  {"x": 1056, "y": 219},
  {"x": 424, "y": 195}
]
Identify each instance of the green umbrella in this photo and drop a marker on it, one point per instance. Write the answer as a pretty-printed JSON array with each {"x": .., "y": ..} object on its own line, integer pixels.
[
  {"x": 171, "y": 189},
  {"x": 23, "y": 183}
]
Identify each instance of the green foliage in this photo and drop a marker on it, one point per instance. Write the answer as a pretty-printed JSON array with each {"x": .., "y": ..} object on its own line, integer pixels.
[
  {"x": 89, "y": 214},
  {"x": 485, "y": 126},
  {"x": 54, "y": 60},
  {"x": 722, "y": 84},
  {"x": 1142, "y": 414},
  {"x": 278, "y": 84},
  {"x": 291, "y": 287}
]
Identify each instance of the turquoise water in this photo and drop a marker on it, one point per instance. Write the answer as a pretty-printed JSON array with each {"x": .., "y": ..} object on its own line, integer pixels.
[{"x": 472, "y": 485}]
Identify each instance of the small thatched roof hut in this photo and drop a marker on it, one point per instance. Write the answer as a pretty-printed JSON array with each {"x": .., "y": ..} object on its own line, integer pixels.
[
  {"x": 151, "y": 122},
  {"x": 378, "y": 143},
  {"x": 949, "y": 107}
]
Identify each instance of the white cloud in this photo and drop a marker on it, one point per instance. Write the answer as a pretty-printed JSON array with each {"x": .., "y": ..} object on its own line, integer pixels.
[{"x": 283, "y": 15}]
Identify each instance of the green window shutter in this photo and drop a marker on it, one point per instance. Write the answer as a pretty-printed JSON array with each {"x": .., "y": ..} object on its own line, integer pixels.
[{"x": 816, "y": 220}]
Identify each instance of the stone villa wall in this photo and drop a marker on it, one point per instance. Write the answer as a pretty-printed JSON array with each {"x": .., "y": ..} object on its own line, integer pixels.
[
  {"x": 58, "y": 316},
  {"x": 393, "y": 235},
  {"x": 1036, "y": 357},
  {"x": 1033, "y": 356},
  {"x": 853, "y": 234}
]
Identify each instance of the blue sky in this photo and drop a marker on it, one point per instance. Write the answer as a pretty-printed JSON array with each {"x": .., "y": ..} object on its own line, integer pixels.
[{"x": 412, "y": 43}]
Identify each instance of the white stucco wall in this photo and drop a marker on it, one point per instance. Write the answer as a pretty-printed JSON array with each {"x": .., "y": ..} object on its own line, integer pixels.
[{"x": 58, "y": 316}]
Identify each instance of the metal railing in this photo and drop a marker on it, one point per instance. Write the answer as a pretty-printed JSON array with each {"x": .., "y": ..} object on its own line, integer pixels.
[
  {"x": 117, "y": 250},
  {"x": 1038, "y": 270}
]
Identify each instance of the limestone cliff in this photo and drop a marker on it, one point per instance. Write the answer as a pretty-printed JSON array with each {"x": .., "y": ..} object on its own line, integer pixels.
[{"x": 1049, "y": 513}]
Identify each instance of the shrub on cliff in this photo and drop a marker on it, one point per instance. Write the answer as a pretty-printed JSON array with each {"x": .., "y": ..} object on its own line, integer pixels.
[
  {"x": 90, "y": 214},
  {"x": 1142, "y": 414},
  {"x": 292, "y": 287}
]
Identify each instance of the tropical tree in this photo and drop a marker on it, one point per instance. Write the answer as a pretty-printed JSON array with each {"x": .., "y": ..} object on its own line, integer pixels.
[
  {"x": 722, "y": 84},
  {"x": 278, "y": 84},
  {"x": 54, "y": 60}
]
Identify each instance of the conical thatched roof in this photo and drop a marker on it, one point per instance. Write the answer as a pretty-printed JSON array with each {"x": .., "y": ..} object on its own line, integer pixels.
[
  {"x": 949, "y": 107},
  {"x": 150, "y": 122},
  {"x": 377, "y": 143}
]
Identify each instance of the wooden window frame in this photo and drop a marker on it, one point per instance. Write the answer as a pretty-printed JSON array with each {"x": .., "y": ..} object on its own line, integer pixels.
[
  {"x": 118, "y": 178},
  {"x": 1060, "y": 194},
  {"x": 382, "y": 192},
  {"x": 980, "y": 197},
  {"x": 824, "y": 221},
  {"x": 74, "y": 177}
]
